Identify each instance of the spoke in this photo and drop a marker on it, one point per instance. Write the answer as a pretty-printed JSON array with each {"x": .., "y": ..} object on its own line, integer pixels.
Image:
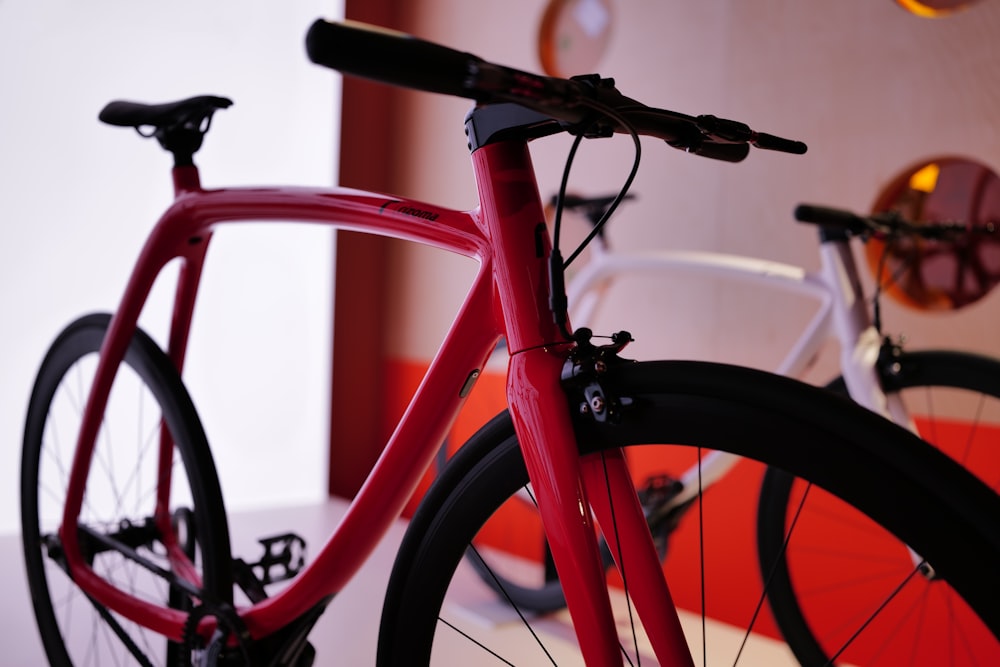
[
  {"x": 81, "y": 391},
  {"x": 621, "y": 566},
  {"x": 481, "y": 645},
  {"x": 837, "y": 587},
  {"x": 973, "y": 430},
  {"x": 931, "y": 416},
  {"x": 515, "y": 607},
  {"x": 835, "y": 514},
  {"x": 119, "y": 631},
  {"x": 920, "y": 622},
  {"x": 104, "y": 456},
  {"x": 957, "y": 630},
  {"x": 892, "y": 595},
  {"x": 132, "y": 484},
  {"x": 701, "y": 563},
  {"x": 142, "y": 443},
  {"x": 773, "y": 570},
  {"x": 56, "y": 456}
]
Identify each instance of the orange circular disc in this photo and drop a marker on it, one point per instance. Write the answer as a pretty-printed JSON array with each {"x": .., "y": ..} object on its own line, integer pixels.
[
  {"x": 935, "y": 8},
  {"x": 946, "y": 273},
  {"x": 574, "y": 35}
]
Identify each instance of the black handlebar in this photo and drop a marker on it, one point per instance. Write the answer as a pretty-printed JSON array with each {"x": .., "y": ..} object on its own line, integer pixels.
[
  {"x": 582, "y": 103},
  {"x": 391, "y": 57},
  {"x": 886, "y": 224}
]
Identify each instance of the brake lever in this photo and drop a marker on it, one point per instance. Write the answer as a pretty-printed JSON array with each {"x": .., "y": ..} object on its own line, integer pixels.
[{"x": 732, "y": 131}]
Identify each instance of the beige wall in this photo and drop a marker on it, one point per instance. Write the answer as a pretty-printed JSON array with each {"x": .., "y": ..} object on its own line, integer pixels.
[{"x": 869, "y": 87}]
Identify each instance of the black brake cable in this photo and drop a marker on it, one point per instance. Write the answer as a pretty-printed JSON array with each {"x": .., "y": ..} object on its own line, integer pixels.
[
  {"x": 879, "y": 285},
  {"x": 894, "y": 276},
  {"x": 620, "y": 119},
  {"x": 558, "y": 301}
]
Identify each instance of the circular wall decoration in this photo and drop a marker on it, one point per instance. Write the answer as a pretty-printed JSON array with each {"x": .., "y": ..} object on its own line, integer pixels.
[
  {"x": 573, "y": 36},
  {"x": 947, "y": 273},
  {"x": 935, "y": 8}
]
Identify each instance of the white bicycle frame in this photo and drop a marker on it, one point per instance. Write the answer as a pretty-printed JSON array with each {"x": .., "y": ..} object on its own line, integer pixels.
[{"x": 842, "y": 315}]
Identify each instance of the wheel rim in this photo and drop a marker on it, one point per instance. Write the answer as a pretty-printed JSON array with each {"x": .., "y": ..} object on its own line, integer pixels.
[
  {"x": 927, "y": 619},
  {"x": 119, "y": 500}
]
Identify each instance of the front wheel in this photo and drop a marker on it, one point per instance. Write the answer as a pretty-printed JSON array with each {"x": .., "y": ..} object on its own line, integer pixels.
[
  {"x": 181, "y": 530},
  {"x": 434, "y": 615},
  {"x": 837, "y": 557}
]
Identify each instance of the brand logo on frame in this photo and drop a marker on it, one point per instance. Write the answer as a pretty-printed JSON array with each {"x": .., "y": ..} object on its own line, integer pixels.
[{"x": 409, "y": 210}]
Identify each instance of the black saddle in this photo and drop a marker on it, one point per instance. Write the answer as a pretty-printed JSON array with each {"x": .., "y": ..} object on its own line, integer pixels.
[{"x": 178, "y": 126}]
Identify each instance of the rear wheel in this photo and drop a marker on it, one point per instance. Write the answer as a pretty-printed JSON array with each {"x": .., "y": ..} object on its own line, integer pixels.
[
  {"x": 147, "y": 402},
  {"x": 432, "y": 608},
  {"x": 832, "y": 564}
]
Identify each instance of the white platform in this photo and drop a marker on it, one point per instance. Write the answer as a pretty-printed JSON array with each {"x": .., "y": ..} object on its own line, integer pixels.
[{"x": 348, "y": 630}]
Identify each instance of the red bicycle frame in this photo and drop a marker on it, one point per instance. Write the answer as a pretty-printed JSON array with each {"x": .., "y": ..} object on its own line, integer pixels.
[{"x": 509, "y": 297}]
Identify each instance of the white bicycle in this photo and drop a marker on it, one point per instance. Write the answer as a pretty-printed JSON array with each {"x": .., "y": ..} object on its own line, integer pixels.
[{"x": 908, "y": 387}]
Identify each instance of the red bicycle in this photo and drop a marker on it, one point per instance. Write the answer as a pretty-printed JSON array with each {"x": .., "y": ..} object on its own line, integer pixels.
[{"x": 125, "y": 533}]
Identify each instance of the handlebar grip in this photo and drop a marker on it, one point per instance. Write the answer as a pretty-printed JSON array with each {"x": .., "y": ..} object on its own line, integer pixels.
[
  {"x": 830, "y": 217},
  {"x": 391, "y": 57},
  {"x": 773, "y": 143}
]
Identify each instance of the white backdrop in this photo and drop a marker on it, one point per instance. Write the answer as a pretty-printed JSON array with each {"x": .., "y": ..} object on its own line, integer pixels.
[{"x": 78, "y": 198}]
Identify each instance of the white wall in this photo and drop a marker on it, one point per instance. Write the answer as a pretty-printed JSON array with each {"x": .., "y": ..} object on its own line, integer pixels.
[{"x": 78, "y": 198}]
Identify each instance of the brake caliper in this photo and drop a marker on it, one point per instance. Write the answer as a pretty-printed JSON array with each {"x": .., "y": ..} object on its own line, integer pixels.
[{"x": 583, "y": 371}]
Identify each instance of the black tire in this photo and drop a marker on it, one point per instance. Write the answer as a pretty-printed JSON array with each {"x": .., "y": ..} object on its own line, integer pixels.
[
  {"x": 75, "y": 630},
  {"x": 931, "y": 503},
  {"x": 926, "y": 621}
]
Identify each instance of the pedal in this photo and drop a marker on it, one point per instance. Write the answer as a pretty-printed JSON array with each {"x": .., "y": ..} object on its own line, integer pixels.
[
  {"x": 662, "y": 515},
  {"x": 284, "y": 557},
  {"x": 658, "y": 490}
]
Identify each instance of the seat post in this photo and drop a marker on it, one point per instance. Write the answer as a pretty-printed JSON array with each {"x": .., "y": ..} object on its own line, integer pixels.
[{"x": 186, "y": 179}]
